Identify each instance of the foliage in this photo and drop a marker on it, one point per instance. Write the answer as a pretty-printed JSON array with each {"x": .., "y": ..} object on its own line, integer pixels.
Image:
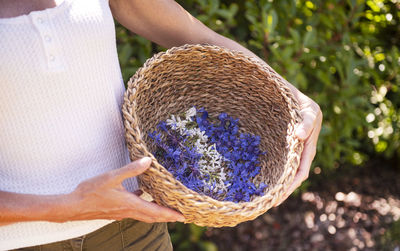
[
  {"x": 133, "y": 51},
  {"x": 189, "y": 237},
  {"x": 344, "y": 54}
]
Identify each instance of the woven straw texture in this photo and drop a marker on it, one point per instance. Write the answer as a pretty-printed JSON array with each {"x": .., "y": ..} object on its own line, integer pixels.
[{"x": 219, "y": 80}]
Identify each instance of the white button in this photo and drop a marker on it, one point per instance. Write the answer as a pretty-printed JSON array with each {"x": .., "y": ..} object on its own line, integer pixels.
[
  {"x": 40, "y": 20},
  {"x": 47, "y": 38},
  {"x": 51, "y": 57}
]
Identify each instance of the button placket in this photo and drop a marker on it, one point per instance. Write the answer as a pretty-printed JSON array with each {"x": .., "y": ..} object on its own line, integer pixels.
[{"x": 42, "y": 24}]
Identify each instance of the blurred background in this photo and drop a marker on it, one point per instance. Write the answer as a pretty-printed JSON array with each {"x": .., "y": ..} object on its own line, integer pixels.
[{"x": 345, "y": 55}]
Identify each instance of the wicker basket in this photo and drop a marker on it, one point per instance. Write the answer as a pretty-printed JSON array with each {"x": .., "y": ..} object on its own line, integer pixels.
[{"x": 219, "y": 80}]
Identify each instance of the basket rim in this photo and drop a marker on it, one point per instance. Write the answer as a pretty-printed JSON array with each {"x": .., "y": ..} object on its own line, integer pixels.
[{"x": 276, "y": 191}]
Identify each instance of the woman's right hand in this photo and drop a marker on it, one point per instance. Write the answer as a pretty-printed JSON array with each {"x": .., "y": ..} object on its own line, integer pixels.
[{"x": 104, "y": 197}]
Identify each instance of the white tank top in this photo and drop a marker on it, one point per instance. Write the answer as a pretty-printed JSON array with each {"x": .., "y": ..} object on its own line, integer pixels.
[{"x": 61, "y": 91}]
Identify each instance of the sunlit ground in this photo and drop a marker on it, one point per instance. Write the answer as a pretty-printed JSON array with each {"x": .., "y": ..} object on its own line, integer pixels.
[
  {"x": 350, "y": 218},
  {"x": 358, "y": 211}
]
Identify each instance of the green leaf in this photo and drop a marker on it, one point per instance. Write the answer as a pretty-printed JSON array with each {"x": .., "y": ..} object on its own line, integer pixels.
[
  {"x": 296, "y": 38},
  {"x": 125, "y": 53},
  {"x": 272, "y": 21},
  {"x": 196, "y": 232},
  {"x": 309, "y": 39},
  {"x": 208, "y": 246},
  {"x": 213, "y": 7}
]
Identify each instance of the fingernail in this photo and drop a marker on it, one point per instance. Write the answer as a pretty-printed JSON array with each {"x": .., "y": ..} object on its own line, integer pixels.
[
  {"x": 145, "y": 160},
  {"x": 301, "y": 133}
]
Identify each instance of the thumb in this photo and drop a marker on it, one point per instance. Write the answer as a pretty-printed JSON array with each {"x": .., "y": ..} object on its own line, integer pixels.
[
  {"x": 301, "y": 132},
  {"x": 132, "y": 169},
  {"x": 305, "y": 128}
]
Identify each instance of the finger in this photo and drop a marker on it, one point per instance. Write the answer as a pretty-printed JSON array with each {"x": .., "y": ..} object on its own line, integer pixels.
[
  {"x": 131, "y": 170},
  {"x": 148, "y": 218},
  {"x": 307, "y": 157},
  {"x": 145, "y": 218},
  {"x": 138, "y": 192},
  {"x": 306, "y": 127},
  {"x": 300, "y": 176},
  {"x": 309, "y": 152},
  {"x": 304, "y": 169},
  {"x": 157, "y": 212}
]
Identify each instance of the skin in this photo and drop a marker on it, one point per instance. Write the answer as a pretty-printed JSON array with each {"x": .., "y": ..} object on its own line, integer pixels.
[{"x": 103, "y": 197}]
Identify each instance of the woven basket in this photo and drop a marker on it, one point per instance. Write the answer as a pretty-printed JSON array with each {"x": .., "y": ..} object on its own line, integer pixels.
[{"x": 219, "y": 80}]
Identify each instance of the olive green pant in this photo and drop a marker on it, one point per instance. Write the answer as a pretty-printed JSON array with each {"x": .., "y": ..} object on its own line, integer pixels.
[{"x": 120, "y": 235}]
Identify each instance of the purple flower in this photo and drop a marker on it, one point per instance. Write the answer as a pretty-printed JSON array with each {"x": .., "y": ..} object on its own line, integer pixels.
[{"x": 241, "y": 151}]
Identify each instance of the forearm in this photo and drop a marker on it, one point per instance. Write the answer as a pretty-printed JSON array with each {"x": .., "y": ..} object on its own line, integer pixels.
[
  {"x": 166, "y": 23},
  {"x": 15, "y": 207},
  {"x": 219, "y": 40}
]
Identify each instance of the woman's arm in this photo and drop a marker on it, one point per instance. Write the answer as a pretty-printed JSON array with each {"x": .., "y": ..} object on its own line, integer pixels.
[
  {"x": 16, "y": 207},
  {"x": 101, "y": 197},
  {"x": 166, "y": 23}
]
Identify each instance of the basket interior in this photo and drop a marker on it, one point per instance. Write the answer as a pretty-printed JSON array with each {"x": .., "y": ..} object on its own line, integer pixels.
[{"x": 218, "y": 83}]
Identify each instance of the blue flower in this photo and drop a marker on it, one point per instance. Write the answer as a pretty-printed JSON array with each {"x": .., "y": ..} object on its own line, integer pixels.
[{"x": 180, "y": 156}]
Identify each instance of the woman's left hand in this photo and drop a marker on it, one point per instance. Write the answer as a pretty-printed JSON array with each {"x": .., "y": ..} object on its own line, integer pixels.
[{"x": 307, "y": 131}]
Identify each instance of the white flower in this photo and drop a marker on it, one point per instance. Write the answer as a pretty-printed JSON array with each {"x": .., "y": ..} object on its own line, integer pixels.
[
  {"x": 172, "y": 122},
  {"x": 181, "y": 126},
  {"x": 222, "y": 175},
  {"x": 211, "y": 148},
  {"x": 190, "y": 113},
  {"x": 202, "y": 135},
  {"x": 211, "y": 164}
]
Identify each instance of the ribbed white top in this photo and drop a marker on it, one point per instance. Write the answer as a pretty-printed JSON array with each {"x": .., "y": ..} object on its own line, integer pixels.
[{"x": 61, "y": 92}]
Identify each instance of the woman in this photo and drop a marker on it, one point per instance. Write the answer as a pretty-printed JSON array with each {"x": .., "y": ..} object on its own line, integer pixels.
[{"x": 61, "y": 132}]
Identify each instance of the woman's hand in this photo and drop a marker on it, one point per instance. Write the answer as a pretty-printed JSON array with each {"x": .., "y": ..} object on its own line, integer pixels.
[
  {"x": 101, "y": 197},
  {"x": 104, "y": 197},
  {"x": 307, "y": 131}
]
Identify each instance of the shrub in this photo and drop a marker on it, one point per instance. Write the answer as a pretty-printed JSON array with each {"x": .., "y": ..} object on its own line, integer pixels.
[{"x": 343, "y": 54}]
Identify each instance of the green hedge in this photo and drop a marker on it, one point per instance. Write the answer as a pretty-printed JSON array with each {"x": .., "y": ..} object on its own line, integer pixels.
[{"x": 343, "y": 54}]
